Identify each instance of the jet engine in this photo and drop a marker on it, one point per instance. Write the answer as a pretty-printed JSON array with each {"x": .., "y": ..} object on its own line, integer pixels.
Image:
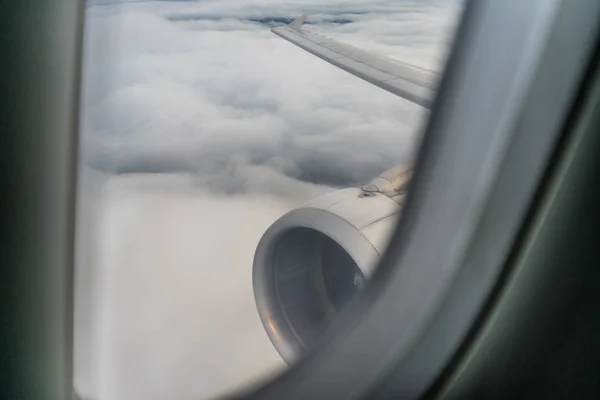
[{"x": 312, "y": 261}]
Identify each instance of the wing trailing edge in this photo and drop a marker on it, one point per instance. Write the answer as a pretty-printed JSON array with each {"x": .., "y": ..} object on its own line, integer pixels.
[{"x": 413, "y": 83}]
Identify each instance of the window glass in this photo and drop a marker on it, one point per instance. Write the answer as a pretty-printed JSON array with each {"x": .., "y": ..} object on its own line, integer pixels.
[{"x": 200, "y": 129}]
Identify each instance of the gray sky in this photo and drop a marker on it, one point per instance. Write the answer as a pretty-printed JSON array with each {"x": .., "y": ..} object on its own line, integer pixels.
[{"x": 200, "y": 128}]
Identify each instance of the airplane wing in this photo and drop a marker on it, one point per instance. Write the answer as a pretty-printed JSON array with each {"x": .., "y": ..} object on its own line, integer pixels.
[{"x": 408, "y": 81}]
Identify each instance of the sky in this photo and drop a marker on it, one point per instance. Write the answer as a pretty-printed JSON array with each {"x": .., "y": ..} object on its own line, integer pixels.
[{"x": 199, "y": 129}]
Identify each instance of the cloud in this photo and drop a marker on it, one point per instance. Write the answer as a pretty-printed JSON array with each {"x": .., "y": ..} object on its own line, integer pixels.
[
  {"x": 200, "y": 128},
  {"x": 172, "y": 310},
  {"x": 179, "y": 92}
]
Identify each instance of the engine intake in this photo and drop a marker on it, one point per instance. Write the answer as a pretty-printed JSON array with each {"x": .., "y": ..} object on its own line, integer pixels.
[{"x": 313, "y": 260}]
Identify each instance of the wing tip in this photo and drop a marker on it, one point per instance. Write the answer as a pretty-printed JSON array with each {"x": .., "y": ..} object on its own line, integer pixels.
[{"x": 297, "y": 23}]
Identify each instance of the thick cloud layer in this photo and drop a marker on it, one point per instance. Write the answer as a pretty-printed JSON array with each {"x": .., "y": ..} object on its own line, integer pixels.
[
  {"x": 200, "y": 128},
  {"x": 204, "y": 88}
]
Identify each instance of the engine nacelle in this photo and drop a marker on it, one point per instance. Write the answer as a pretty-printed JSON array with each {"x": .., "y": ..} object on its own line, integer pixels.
[{"x": 314, "y": 259}]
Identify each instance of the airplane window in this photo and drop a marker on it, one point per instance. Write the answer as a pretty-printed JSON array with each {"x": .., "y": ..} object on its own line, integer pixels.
[{"x": 241, "y": 170}]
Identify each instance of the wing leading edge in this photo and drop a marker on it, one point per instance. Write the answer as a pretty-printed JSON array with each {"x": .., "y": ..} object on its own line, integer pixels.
[{"x": 408, "y": 81}]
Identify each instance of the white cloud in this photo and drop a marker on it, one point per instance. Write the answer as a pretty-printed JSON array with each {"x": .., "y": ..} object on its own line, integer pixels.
[{"x": 200, "y": 129}]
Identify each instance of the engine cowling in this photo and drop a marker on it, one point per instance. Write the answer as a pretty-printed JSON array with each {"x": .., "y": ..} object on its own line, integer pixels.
[{"x": 311, "y": 262}]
